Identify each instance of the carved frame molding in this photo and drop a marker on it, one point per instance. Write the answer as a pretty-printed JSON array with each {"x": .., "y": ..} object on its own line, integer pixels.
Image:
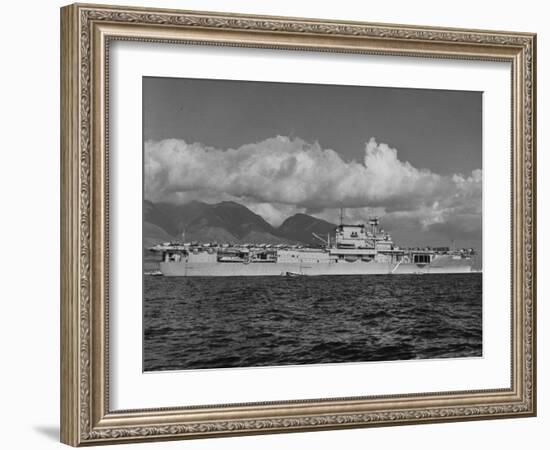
[{"x": 86, "y": 32}]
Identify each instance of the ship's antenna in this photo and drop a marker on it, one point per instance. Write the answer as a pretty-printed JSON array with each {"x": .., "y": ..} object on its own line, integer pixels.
[{"x": 341, "y": 216}]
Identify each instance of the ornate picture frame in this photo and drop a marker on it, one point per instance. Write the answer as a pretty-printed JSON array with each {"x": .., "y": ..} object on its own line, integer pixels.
[{"x": 87, "y": 32}]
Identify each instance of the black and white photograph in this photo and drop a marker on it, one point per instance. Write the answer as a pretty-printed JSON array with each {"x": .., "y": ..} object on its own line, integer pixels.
[{"x": 292, "y": 224}]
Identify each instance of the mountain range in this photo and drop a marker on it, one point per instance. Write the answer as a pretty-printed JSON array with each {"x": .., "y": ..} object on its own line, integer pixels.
[{"x": 224, "y": 222}]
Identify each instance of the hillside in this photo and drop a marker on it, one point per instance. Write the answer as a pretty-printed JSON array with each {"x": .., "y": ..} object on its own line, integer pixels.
[
  {"x": 227, "y": 222},
  {"x": 300, "y": 227}
]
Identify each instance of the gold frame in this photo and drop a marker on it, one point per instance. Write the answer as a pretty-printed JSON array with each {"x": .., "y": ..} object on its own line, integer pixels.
[{"x": 86, "y": 31}]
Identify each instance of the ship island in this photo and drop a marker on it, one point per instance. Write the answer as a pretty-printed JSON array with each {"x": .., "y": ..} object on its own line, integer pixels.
[{"x": 355, "y": 249}]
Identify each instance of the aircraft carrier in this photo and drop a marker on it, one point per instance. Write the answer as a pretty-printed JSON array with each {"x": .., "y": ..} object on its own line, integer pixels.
[{"x": 362, "y": 249}]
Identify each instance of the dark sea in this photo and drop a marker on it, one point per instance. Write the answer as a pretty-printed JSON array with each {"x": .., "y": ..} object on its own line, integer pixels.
[{"x": 204, "y": 323}]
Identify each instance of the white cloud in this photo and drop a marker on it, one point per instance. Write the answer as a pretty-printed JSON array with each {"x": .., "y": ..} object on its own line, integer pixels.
[
  {"x": 280, "y": 176},
  {"x": 274, "y": 213}
]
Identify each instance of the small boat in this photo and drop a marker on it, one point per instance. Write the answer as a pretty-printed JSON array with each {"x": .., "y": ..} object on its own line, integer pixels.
[
  {"x": 153, "y": 273},
  {"x": 292, "y": 274}
]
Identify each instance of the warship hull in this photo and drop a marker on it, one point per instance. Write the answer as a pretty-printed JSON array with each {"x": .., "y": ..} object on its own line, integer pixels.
[{"x": 220, "y": 269}]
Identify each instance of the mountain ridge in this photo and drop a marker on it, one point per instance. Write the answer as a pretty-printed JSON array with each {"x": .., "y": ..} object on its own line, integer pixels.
[{"x": 227, "y": 222}]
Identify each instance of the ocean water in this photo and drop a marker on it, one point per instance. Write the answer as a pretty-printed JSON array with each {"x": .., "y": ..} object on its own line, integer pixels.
[{"x": 203, "y": 323}]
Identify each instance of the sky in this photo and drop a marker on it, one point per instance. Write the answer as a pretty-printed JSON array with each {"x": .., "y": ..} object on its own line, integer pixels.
[{"x": 413, "y": 157}]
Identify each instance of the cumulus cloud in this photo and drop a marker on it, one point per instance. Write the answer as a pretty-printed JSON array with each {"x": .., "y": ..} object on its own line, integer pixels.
[{"x": 279, "y": 176}]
